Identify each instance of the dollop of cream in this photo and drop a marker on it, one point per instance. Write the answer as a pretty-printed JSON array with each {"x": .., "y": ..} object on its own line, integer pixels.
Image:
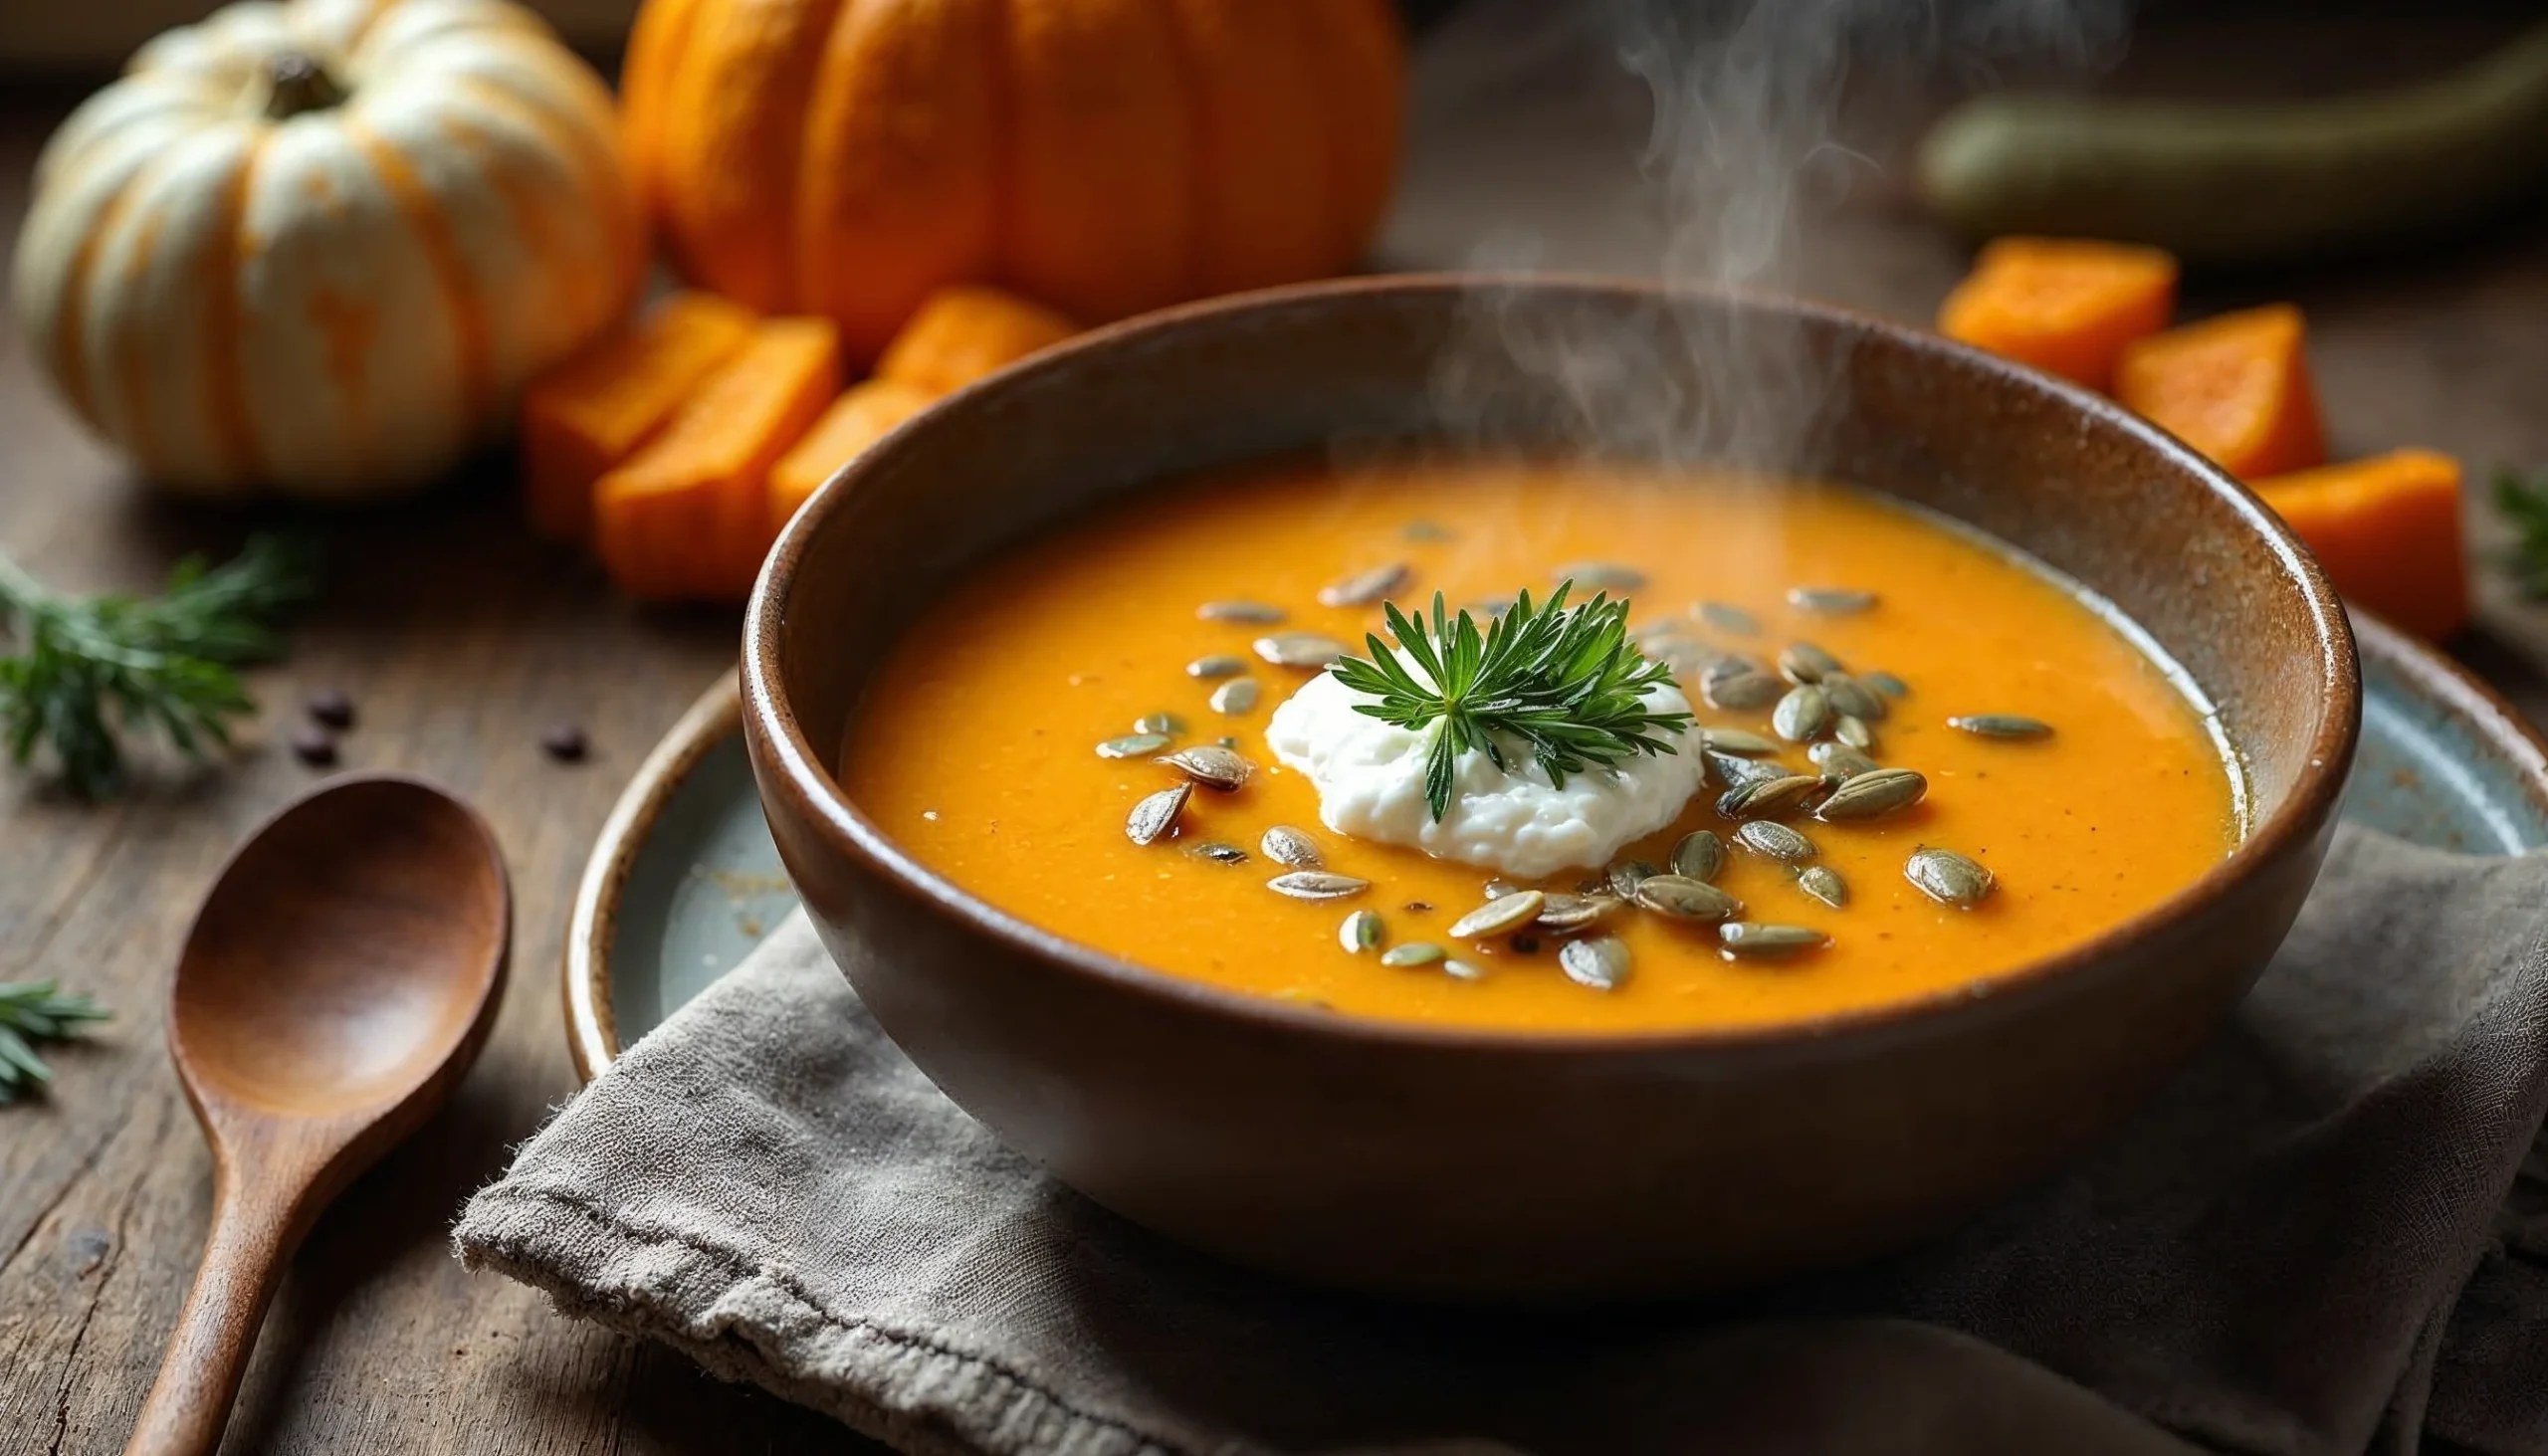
[{"x": 1369, "y": 775}]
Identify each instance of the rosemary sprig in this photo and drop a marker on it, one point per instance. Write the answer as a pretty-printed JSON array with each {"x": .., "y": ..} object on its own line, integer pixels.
[
  {"x": 2524, "y": 502},
  {"x": 33, "y": 1011},
  {"x": 82, "y": 671},
  {"x": 1565, "y": 681}
]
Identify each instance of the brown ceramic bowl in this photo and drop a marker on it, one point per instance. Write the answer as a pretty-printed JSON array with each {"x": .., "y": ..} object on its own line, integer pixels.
[{"x": 1485, "y": 1165}]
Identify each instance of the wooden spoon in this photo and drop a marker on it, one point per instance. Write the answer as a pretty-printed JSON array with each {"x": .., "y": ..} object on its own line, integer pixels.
[{"x": 339, "y": 980}]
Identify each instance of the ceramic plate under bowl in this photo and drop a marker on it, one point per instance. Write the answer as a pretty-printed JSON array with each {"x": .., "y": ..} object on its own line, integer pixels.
[{"x": 685, "y": 880}]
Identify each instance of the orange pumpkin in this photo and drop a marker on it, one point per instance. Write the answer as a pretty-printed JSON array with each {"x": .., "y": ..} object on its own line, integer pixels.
[{"x": 846, "y": 158}]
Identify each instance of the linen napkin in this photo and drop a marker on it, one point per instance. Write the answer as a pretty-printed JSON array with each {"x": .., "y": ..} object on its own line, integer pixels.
[{"x": 2321, "y": 1236}]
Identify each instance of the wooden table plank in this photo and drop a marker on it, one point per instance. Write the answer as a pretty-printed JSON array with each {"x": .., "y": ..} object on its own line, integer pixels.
[{"x": 460, "y": 638}]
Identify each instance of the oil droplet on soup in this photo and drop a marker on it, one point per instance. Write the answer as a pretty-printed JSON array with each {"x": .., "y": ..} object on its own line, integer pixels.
[{"x": 977, "y": 745}]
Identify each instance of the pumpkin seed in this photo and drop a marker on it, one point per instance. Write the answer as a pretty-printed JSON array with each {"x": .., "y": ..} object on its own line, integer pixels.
[
  {"x": 1824, "y": 884},
  {"x": 1854, "y": 733},
  {"x": 1626, "y": 875},
  {"x": 1740, "y": 691},
  {"x": 1737, "y": 741},
  {"x": 1216, "y": 664},
  {"x": 1726, "y": 618},
  {"x": 1425, "y": 530},
  {"x": 1947, "y": 877},
  {"x": 1885, "y": 682},
  {"x": 1219, "y": 853},
  {"x": 1364, "y": 589},
  {"x": 1683, "y": 899},
  {"x": 1736, "y": 773},
  {"x": 1284, "y": 845},
  {"x": 1768, "y": 798},
  {"x": 1600, "y": 964},
  {"x": 1317, "y": 885},
  {"x": 1830, "y": 601},
  {"x": 1361, "y": 932},
  {"x": 1699, "y": 856},
  {"x": 1467, "y": 970},
  {"x": 1776, "y": 841},
  {"x": 1853, "y": 698},
  {"x": 1601, "y": 576},
  {"x": 1728, "y": 665},
  {"x": 1158, "y": 722},
  {"x": 1803, "y": 662},
  {"x": 1801, "y": 714},
  {"x": 1754, "y": 939},
  {"x": 1413, "y": 953},
  {"x": 1873, "y": 795},
  {"x": 2001, "y": 725},
  {"x": 1839, "y": 760},
  {"x": 1226, "y": 741},
  {"x": 1255, "y": 614},
  {"x": 1298, "y": 649},
  {"x": 1132, "y": 746},
  {"x": 1668, "y": 646},
  {"x": 1235, "y": 697},
  {"x": 1210, "y": 765},
  {"x": 1504, "y": 913},
  {"x": 1155, "y": 813},
  {"x": 1561, "y": 911}
]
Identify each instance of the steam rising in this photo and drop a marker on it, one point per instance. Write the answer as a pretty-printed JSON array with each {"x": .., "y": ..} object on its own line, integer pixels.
[{"x": 1765, "y": 114}]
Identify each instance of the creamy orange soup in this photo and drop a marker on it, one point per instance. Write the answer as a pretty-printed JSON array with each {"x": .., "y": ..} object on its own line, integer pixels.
[{"x": 975, "y": 746}]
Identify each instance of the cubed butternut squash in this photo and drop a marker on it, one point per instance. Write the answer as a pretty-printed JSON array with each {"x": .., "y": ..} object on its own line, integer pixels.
[
  {"x": 2235, "y": 387},
  {"x": 2066, "y": 306},
  {"x": 593, "y": 411},
  {"x": 963, "y": 332},
  {"x": 856, "y": 420},
  {"x": 2388, "y": 530},
  {"x": 686, "y": 517}
]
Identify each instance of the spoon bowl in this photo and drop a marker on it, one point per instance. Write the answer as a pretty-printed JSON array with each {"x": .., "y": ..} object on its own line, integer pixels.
[
  {"x": 338, "y": 981},
  {"x": 271, "y": 1011}
]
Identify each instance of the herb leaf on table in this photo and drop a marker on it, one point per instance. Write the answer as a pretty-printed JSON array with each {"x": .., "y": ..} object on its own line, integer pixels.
[
  {"x": 1565, "y": 681},
  {"x": 2525, "y": 501},
  {"x": 33, "y": 1011},
  {"x": 82, "y": 672}
]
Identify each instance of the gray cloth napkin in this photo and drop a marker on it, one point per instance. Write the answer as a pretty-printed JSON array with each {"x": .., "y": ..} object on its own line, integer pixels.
[{"x": 2321, "y": 1236}]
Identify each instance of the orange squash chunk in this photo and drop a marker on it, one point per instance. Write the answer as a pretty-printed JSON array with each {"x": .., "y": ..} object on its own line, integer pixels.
[
  {"x": 686, "y": 517},
  {"x": 2235, "y": 387},
  {"x": 2388, "y": 532},
  {"x": 856, "y": 420},
  {"x": 960, "y": 333},
  {"x": 587, "y": 414},
  {"x": 2066, "y": 306}
]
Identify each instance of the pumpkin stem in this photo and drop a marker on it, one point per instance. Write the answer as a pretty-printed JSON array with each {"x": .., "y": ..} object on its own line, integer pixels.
[{"x": 298, "y": 82}]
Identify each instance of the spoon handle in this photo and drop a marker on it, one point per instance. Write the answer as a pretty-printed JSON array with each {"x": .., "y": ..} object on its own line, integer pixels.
[{"x": 254, "y": 1229}]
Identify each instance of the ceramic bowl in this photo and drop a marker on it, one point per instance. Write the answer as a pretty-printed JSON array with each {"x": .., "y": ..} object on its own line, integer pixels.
[{"x": 1484, "y": 1166}]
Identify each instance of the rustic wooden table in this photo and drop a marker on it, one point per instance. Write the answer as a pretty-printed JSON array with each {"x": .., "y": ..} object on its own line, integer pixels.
[{"x": 461, "y": 638}]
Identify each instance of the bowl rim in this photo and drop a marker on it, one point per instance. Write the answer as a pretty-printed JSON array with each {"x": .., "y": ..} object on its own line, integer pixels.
[{"x": 781, "y": 750}]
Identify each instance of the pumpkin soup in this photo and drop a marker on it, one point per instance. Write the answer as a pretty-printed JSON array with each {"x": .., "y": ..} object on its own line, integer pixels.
[{"x": 1630, "y": 750}]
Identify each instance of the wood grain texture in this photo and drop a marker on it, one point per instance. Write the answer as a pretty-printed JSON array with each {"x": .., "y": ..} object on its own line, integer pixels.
[{"x": 461, "y": 637}]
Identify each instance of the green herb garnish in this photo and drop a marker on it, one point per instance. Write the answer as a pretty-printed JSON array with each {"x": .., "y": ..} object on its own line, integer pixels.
[
  {"x": 1565, "y": 681},
  {"x": 2525, "y": 501},
  {"x": 33, "y": 1011},
  {"x": 83, "y": 670}
]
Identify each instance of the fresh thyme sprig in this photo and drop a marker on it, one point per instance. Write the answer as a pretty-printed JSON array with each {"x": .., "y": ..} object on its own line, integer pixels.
[
  {"x": 83, "y": 670},
  {"x": 2525, "y": 501},
  {"x": 33, "y": 1011},
  {"x": 1565, "y": 681}
]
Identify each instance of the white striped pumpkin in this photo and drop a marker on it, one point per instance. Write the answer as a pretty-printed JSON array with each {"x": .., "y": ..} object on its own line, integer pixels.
[{"x": 317, "y": 247}]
